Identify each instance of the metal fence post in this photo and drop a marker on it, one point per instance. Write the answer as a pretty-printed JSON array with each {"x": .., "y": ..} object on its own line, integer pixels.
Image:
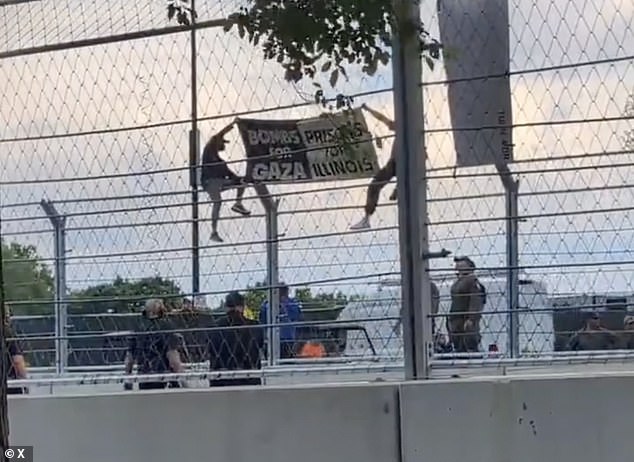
[
  {"x": 61, "y": 308},
  {"x": 512, "y": 263},
  {"x": 412, "y": 190},
  {"x": 194, "y": 146},
  {"x": 511, "y": 198},
  {"x": 273, "y": 282}
]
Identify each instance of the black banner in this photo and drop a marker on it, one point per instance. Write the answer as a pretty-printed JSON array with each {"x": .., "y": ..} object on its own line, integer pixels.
[{"x": 308, "y": 150}]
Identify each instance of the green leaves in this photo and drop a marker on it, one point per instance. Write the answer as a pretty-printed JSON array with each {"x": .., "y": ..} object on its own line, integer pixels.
[
  {"x": 311, "y": 37},
  {"x": 171, "y": 11},
  {"x": 26, "y": 279},
  {"x": 182, "y": 11},
  {"x": 334, "y": 76},
  {"x": 320, "y": 306},
  {"x": 122, "y": 296},
  {"x": 308, "y": 37}
]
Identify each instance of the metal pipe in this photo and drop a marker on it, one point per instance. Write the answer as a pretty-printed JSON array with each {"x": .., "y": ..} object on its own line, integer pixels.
[
  {"x": 109, "y": 39},
  {"x": 549, "y": 365},
  {"x": 512, "y": 261},
  {"x": 61, "y": 307},
  {"x": 272, "y": 274},
  {"x": 16, "y": 2},
  {"x": 511, "y": 188},
  {"x": 205, "y": 375},
  {"x": 412, "y": 189},
  {"x": 194, "y": 161}
]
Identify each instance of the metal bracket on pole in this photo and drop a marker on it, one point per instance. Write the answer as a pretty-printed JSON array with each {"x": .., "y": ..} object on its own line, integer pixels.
[
  {"x": 443, "y": 253},
  {"x": 273, "y": 283},
  {"x": 411, "y": 177},
  {"x": 511, "y": 188},
  {"x": 61, "y": 308}
]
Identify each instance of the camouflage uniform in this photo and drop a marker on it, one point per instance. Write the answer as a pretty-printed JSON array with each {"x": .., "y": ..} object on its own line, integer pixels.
[{"x": 466, "y": 305}]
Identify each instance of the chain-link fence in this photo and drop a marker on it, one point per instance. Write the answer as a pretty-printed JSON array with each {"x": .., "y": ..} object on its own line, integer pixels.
[{"x": 98, "y": 212}]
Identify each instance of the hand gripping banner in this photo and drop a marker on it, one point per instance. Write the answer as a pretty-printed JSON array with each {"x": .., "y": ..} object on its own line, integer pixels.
[
  {"x": 475, "y": 39},
  {"x": 330, "y": 147}
]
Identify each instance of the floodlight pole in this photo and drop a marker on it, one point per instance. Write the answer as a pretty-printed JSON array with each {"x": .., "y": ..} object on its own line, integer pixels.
[{"x": 61, "y": 307}]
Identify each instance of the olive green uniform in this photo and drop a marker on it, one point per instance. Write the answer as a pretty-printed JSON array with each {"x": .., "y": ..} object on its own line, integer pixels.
[{"x": 463, "y": 324}]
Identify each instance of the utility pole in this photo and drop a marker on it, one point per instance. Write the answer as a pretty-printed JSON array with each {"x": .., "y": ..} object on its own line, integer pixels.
[{"x": 411, "y": 177}]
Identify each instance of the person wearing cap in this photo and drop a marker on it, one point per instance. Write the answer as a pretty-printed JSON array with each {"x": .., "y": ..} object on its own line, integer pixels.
[
  {"x": 290, "y": 312},
  {"x": 235, "y": 344},
  {"x": 216, "y": 176},
  {"x": 593, "y": 336},
  {"x": 155, "y": 348},
  {"x": 468, "y": 297}
]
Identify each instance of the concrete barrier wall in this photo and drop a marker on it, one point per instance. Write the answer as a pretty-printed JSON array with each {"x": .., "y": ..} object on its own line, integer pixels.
[
  {"x": 327, "y": 424},
  {"x": 558, "y": 419}
]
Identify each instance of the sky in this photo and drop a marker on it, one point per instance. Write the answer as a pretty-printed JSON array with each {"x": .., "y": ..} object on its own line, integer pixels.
[{"x": 572, "y": 69}]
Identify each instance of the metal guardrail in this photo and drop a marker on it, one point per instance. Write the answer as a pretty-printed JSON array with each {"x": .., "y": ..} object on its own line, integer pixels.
[
  {"x": 276, "y": 371},
  {"x": 445, "y": 363}
]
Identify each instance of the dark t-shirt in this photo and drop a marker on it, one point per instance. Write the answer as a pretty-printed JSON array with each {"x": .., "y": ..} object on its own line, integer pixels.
[
  {"x": 13, "y": 349},
  {"x": 235, "y": 349},
  {"x": 150, "y": 345},
  {"x": 213, "y": 166}
]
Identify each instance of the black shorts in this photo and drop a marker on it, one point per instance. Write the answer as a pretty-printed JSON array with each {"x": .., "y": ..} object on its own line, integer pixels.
[
  {"x": 235, "y": 382},
  {"x": 158, "y": 385}
]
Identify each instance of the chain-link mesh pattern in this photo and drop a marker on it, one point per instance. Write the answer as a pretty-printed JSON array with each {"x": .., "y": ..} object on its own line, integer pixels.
[{"x": 102, "y": 131}]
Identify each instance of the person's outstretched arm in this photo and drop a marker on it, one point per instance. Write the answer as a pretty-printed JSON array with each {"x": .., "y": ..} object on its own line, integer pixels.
[{"x": 380, "y": 117}]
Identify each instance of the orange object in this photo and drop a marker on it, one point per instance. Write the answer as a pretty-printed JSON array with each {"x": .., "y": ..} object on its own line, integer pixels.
[{"x": 312, "y": 350}]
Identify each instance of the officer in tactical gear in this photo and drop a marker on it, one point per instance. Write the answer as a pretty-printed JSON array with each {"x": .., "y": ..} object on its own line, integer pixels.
[
  {"x": 468, "y": 297},
  {"x": 155, "y": 348}
]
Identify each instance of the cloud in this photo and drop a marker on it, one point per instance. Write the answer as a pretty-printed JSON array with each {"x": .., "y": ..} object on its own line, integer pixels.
[{"x": 145, "y": 82}]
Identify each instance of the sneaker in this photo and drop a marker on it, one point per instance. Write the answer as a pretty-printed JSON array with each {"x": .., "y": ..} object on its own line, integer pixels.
[
  {"x": 216, "y": 237},
  {"x": 363, "y": 224},
  {"x": 394, "y": 195},
  {"x": 239, "y": 208}
]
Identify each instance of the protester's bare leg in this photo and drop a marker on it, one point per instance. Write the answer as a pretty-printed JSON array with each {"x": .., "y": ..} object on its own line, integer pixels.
[
  {"x": 238, "y": 207},
  {"x": 377, "y": 184},
  {"x": 214, "y": 190}
]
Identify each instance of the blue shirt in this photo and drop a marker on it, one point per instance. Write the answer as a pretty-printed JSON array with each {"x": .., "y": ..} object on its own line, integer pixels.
[{"x": 290, "y": 311}]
